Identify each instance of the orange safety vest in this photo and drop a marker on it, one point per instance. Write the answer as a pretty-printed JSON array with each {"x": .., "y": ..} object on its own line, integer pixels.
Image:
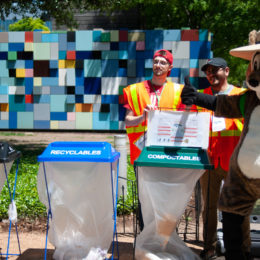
[
  {"x": 138, "y": 98},
  {"x": 222, "y": 143}
]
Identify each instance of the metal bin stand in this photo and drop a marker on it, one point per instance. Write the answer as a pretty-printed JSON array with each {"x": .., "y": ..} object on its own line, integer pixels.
[
  {"x": 166, "y": 178},
  {"x": 7, "y": 157},
  {"x": 78, "y": 183}
]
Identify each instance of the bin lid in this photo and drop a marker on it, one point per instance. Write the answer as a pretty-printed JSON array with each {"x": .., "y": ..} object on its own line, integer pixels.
[
  {"x": 174, "y": 157},
  {"x": 79, "y": 151},
  {"x": 8, "y": 153}
]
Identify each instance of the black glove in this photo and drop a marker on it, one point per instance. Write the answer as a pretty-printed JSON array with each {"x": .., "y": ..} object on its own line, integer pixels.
[{"x": 190, "y": 95}]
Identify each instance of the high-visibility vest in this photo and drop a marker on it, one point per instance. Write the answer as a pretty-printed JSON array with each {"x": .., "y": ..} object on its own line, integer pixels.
[
  {"x": 222, "y": 143},
  {"x": 138, "y": 98}
]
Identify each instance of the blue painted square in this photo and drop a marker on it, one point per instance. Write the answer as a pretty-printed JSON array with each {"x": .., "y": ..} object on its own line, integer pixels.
[
  {"x": 203, "y": 34},
  {"x": 19, "y": 81},
  {"x": 122, "y": 72},
  {"x": 71, "y": 46},
  {"x": 29, "y": 107},
  {"x": 114, "y": 112},
  {"x": 62, "y": 41},
  {"x": 79, "y": 90},
  {"x": 24, "y": 120},
  {"x": 92, "y": 68},
  {"x": 28, "y": 86},
  {"x": 4, "y": 72},
  {"x": 3, "y": 46},
  {"x": 131, "y": 50},
  {"x": 57, "y": 90},
  {"x": 42, "y": 99},
  {"x": 41, "y": 124},
  {"x": 114, "y": 46},
  {"x": 101, "y": 120},
  {"x": 140, "y": 68},
  {"x": 148, "y": 64},
  {"x": 183, "y": 73},
  {"x": 109, "y": 68},
  {"x": 79, "y": 99},
  {"x": 54, "y": 73},
  {"x": 175, "y": 72},
  {"x": 123, "y": 46},
  {"x": 79, "y": 81},
  {"x": 54, "y": 64},
  {"x": 194, "y": 63},
  {"x": 15, "y": 46},
  {"x": 12, "y": 120},
  {"x": 123, "y": 55},
  {"x": 194, "y": 82},
  {"x": 62, "y": 55},
  {"x": 3, "y": 55},
  {"x": 199, "y": 50},
  {"x": 50, "y": 37},
  {"x": 83, "y": 55},
  {"x": 70, "y": 99},
  {"x": 20, "y": 64},
  {"x": 79, "y": 73},
  {"x": 58, "y": 103},
  {"x": 109, "y": 99},
  {"x": 154, "y": 39},
  {"x": 148, "y": 54},
  {"x": 172, "y": 35},
  {"x": 70, "y": 77},
  {"x": 49, "y": 81},
  {"x": 84, "y": 40},
  {"x": 122, "y": 112},
  {"x": 92, "y": 86},
  {"x": 97, "y": 36},
  {"x": 140, "y": 55},
  {"x": 4, "y": 90},
  {"x": 114, "y": 125},
  {"x": 29, "y": 64},
  {"x": 59, "y": 116},
  {"x": 16, "y": 103},
  {"x": 4, "y": 124},
  {"x": 148, "y": 73}
]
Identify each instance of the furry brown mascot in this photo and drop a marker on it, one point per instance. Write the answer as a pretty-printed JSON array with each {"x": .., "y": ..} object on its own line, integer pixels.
[{"x": 242, "y": 186}]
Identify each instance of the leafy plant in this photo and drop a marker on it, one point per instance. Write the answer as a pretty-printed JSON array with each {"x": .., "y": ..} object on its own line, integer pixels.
[{"x": 29, "y": 24}]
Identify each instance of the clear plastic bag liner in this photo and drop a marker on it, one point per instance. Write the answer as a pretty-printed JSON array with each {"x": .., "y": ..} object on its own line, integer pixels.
[
  {"x": 81, "y": 205},
  {"x": 8, "y": 166},
  {"x": 164, "y": 194}
]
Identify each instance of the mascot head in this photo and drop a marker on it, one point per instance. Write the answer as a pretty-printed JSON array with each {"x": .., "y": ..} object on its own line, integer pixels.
[{"x": 251, "y": 53}]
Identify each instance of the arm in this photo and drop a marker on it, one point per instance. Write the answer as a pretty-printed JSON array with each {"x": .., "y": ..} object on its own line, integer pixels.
[
  {"x": 132, "y": 120},
  {"x": 190, "y": 95}
]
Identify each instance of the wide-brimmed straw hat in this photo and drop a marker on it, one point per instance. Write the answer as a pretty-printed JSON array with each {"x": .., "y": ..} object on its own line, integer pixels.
[{"x": 246, "y": 52}]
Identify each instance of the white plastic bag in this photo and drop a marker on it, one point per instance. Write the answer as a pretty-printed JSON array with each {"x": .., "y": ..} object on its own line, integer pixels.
[
  {"x": 12, "y": 212},
  {"x": 164, "y": 194}
]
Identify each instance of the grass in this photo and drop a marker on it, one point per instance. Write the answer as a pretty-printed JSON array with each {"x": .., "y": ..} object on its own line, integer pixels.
[{"x": 26, "y": 195}]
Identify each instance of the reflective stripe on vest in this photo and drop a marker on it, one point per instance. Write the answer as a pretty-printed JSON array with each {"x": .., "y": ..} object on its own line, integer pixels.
[
  {"x": 135, "y": 99},
  {"x": 177, "y": 95}
]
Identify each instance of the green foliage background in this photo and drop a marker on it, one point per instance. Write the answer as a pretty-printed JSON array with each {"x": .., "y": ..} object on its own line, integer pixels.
[{"x": 28, "y": 24}]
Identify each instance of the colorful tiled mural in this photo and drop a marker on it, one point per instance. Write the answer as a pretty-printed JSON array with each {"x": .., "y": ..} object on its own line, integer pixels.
[{"x": 74, "y": 80}]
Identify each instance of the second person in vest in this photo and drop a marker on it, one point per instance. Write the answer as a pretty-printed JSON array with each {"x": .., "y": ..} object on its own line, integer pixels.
[{"x": 224, "y": 136}]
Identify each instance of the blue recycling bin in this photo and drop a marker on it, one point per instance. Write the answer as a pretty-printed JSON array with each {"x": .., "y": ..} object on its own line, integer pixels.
[
  {"x": 78, "y": 183},
  {"x": 8, "y": 155}
]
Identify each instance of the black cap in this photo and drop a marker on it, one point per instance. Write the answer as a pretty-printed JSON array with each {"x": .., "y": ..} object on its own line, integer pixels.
[{"x": 217, "y": 62}]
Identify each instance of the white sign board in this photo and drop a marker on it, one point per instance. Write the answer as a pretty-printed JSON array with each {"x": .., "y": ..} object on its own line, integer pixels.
[{"x": 177, "y": 128}]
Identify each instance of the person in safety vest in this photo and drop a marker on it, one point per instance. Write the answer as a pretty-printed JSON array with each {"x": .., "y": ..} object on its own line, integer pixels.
[
  {"x": 224, "y": 136},
  {"x": 139, "y": 98},
  {"x": 157, "y": 93}
]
